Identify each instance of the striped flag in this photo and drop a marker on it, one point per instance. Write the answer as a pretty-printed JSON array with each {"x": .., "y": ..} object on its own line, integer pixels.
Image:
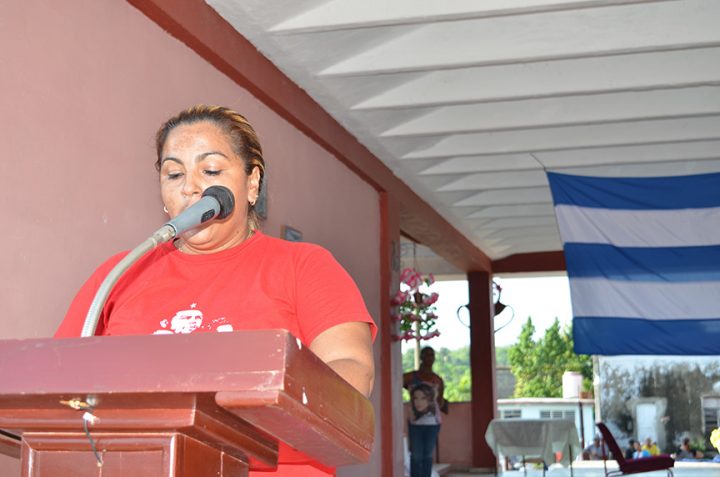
[{"x": 643, "y": 259}]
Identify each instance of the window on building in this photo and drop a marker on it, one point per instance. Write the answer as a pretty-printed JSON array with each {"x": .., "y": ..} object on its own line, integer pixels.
[
  {"x": 512, "y": 414},
  {"x": 711, "y": 413},
  {"x": 548, "y": 414}
]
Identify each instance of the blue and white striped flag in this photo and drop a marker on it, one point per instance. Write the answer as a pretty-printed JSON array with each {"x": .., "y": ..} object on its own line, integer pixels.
[{"x": 643, "y": 258}]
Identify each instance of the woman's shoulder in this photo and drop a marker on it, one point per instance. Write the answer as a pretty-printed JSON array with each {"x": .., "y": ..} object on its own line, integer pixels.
[
  {"x": 297, "y": 252},
  {"x": 153, "y": 255},
  {"x": 110, "y": 262},
  {"x": 288, "y": 246}
]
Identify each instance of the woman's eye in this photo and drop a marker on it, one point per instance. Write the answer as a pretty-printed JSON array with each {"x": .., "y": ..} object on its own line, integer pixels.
[
  {"x": 212, "y": 172},
  {"x": 174, "y": 175}
]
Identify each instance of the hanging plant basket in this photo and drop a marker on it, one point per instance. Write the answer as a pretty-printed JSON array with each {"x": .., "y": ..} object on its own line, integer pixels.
[{"x": 413, "y": 309}]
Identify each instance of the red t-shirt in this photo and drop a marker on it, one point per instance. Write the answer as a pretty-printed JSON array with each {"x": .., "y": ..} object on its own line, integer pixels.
[{"x": 260, "y": 284}]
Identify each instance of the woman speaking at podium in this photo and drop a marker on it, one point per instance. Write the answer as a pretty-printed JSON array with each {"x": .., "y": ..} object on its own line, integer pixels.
[{"x": 226, "y": 274}]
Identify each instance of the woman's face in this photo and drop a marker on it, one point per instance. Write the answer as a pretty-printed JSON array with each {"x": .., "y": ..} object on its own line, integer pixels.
[
  {"x": 420, "y": 401},
  {"x": 196, "y": 156}
]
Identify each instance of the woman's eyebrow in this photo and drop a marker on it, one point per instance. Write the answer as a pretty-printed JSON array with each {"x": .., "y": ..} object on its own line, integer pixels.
[
  {"x": 204, "y": 155},
  {"x": 199, "y": 158},
  {"x": 170, "y": 158}
]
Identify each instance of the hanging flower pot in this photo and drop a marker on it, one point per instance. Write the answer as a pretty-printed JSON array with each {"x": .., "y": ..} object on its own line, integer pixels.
[{"x": 414, "y": 309}]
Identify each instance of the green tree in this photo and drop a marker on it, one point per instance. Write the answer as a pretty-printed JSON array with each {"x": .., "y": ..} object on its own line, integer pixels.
[
  {"x": 522, "y": 357},
  {"x": 451, "y": 365},
  {"x": 501, "y": 356},
  {"x": 538, "y": 367}
]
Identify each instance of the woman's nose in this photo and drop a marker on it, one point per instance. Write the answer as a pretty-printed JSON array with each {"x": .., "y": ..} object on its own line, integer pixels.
[{"x": 192, "y": 185}]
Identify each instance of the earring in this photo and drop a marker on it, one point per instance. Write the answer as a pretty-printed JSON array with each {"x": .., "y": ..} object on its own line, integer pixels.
[
  {"x": 252, "y": 203},
  {"x": 165, "y": 209}
]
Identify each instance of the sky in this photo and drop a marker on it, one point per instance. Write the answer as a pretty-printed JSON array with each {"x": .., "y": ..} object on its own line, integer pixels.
[{"x": 542, "y": 298}]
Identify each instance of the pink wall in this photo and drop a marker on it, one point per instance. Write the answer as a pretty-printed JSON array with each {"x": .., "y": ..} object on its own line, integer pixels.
[{"x": 85, "y": 84}]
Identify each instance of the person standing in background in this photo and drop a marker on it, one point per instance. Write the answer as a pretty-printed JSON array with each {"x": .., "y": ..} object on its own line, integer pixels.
[
  {"x": 630, "y": 449},
  {"x": 426, "y": 401},
  {"x": 651, "y": 447}
]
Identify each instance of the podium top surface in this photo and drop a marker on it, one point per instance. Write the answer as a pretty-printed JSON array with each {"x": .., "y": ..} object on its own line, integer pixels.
[{"x": 201, "y": 362}]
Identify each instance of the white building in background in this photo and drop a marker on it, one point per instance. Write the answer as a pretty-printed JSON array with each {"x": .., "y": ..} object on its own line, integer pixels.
[
  {"x": 572, "y": 406},
  {"x": 581, "y": 411}
]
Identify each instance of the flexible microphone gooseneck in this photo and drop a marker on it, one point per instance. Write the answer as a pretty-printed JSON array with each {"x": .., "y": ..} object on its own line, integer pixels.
[{"x": 217, "y": 202}]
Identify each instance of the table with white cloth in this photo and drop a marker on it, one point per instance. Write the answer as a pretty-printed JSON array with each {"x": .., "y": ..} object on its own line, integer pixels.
[{"x": 534, "y": 438}]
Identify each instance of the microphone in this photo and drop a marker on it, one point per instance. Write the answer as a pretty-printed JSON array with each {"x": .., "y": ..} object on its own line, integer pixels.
[{"x": 217, "y": 202}]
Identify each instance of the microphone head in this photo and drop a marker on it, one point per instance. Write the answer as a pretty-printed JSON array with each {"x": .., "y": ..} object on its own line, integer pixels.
[{"x": 224, "y": 197}]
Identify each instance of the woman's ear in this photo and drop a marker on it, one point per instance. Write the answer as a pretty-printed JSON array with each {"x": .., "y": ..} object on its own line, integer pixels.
[{"x": 253, "y": 185}]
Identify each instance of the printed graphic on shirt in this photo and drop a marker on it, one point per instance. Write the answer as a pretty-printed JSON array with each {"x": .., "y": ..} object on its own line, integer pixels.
[
  {"x": 423, "y": 398},
  {"x": 190, "y": 321}
]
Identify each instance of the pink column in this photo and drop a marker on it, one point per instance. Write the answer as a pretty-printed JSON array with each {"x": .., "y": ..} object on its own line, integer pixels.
[{"x": 482, "y": 362}]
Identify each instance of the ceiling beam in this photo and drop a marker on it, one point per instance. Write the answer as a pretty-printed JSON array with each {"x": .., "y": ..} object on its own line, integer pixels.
[
  {"x": 506, "y": 196},
  {"x": 563, "y": 111},
  {"x": 659, "y": 131},
  {"x": 547, "y": 79},
  {"x": 572, "y": 158},
  {"x": 531, "y": 262},
  {"x": 351, "y": 14},
  {"x": 519, "y": 222},
  {"x": 529, "y": 38}
]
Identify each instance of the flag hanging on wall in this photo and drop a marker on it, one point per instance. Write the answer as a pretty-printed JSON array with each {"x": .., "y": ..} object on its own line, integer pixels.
[{"x": 643, "y": 259}]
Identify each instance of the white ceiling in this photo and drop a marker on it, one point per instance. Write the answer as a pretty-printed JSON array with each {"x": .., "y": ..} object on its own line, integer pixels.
[{"x": 469, "y": 101}]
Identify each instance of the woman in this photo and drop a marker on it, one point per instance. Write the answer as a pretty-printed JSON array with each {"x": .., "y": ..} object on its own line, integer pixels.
[
  {"x": 427, "y": 400},
  {"x": 227, "y": 275}
]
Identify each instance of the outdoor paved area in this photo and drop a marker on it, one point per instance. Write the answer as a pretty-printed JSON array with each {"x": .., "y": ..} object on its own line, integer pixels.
[{"x": 595, "y": 469}]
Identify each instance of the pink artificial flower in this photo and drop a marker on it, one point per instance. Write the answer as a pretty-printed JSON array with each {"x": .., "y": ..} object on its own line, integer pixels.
[
  {"x": 400, "y": 297},
  {"x": 410, "y": 317},
  {"x": 429, "y": 300},
  {"x": 406, "y": 274},
  {"x": 431, "y": 335},
  {"x": 411, "y": 278}
]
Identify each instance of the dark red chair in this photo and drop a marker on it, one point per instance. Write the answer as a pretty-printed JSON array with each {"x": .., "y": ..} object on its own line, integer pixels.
[{"x": 632, "y": 466}]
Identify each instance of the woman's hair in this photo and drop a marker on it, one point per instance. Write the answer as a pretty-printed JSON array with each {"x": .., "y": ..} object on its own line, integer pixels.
[{"x": 242, "y": 136}]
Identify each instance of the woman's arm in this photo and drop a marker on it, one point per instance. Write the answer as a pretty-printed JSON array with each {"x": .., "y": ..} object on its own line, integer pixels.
[{"x": 347, "y": 349}]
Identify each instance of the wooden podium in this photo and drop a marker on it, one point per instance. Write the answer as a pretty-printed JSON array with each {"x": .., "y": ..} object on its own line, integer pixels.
[{"x": 206, "y": 404}]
